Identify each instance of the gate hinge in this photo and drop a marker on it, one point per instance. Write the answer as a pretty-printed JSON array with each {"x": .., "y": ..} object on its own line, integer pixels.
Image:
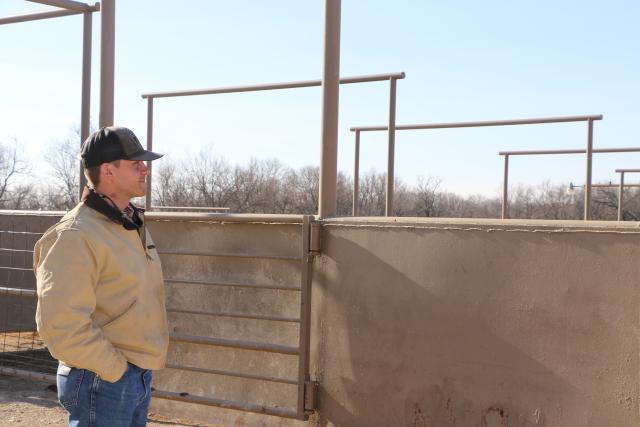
[
  {"x": 310, "y": 395},
  {"x": 315, "y": 243}
]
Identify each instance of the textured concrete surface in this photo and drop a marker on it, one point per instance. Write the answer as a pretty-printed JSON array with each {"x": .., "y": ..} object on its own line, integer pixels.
[{"x": 477, "y": 323}]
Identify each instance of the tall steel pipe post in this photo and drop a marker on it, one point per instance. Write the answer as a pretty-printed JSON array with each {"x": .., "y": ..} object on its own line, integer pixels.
[{"x": 330, "y": 101}]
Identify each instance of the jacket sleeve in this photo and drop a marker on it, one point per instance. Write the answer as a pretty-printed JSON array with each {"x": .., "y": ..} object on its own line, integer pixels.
[{"x": 67, "y": 273}]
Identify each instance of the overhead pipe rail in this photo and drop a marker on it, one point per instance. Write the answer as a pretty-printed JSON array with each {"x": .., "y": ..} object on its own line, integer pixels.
[
  {"x": 533, "y": 121},
  {"x": 507, "y": 154},
  {"x": 391, "y": 77}
]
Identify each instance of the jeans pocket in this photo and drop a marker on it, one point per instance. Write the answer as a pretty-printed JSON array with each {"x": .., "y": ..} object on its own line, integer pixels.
[{"x": 69, "y": 387}]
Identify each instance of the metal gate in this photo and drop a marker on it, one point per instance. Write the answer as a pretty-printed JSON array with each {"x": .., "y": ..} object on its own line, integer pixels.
[{"x": 24, "y": 354}]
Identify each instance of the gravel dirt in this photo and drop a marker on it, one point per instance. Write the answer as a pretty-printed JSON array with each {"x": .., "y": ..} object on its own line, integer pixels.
[{"x": 28, "y": 403}]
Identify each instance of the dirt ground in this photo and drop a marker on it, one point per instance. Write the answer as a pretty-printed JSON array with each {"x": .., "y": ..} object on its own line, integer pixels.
[{"x": 28, "y": 403}]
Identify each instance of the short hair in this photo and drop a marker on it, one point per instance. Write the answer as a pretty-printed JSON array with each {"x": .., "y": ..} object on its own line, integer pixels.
[{"x": 92, "y": 173}]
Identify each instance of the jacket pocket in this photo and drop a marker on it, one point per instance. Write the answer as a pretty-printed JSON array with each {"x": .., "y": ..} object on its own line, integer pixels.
[
  {"x": 69, "y": 387},
  {"x": 122, "y": 315}
]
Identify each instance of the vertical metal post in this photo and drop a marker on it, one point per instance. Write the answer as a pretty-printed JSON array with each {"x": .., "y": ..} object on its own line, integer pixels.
[
  {"x": 505, "y": 188},
  {"x": 147, "y": 200},
  {"x": 587, "y": 184},
  {"x": 107, "y": 61},
  {"x": 620, "y": 196},
  {"x": 85, "y": 109},
  {"x": 356, "y": 177},
  {"x": 391, "y": 147},
  {"x": 330, "y": 97},
  {"x": 305, "y": 315}
]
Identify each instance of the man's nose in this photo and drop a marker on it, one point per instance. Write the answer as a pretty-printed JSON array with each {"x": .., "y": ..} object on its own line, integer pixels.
[{"x": 145, "y": 169}]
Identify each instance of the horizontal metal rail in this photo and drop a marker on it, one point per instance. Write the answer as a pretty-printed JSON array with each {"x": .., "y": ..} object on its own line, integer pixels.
[
  {"x": 27, "y": 374},
  {"x": 287, "y": 219},
  {"x": 577, "y": 151},
  {"x": 20, "y": 232},
  {"x": 235, "y": 315},
  {"x": 628, "y": 170},
  {"x": 17, "y": 292},
  {"x": 233, "y": 285},
  {"x": 232, "y": 374},
  {"x": 612, "y": 185},
  {"x": 2, "y": 267},
  {"x": 231, "y": 255},
  {"x": 16, "y": 250},
  {"x": 507, "y": 154},
  {"x": 273, "y": 86},
  {"x": 227, "y": 404},
  {"x": 533, "y": 121},
  {"x": 70, "y": 5},
  {"x": 184, "y": 208},
  {"x": 37, "y": 16},
  {"x": 241, "y": 344}
]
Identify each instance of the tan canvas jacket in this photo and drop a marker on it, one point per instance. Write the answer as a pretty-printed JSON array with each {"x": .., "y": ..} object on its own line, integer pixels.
[{"x": 101, "y": 299}]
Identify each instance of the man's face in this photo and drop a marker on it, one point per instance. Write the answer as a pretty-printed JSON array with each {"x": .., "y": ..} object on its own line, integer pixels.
[{"x": 129, "y": 178}]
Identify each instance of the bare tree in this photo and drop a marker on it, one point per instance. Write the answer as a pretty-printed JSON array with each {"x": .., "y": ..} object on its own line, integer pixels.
[
  {"x": 12, "y": 165},
  {"x": 64, "y": 160}
]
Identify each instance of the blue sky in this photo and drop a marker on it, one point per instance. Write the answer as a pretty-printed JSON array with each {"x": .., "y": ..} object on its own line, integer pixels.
[{"x": 464, "y": 60}]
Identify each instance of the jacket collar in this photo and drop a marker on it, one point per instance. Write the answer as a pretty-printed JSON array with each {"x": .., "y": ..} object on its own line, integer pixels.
[{"x": 105, "y": 206}]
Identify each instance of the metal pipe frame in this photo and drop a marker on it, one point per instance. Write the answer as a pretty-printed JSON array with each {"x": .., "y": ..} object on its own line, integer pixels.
[
  {"x": 231, "y": 255},
  {"x": 231, "y": 314},
  {"x": 451, "y": 125},
  {"x": 240, "y": 344},
  {"x": 17, "y": 292},
  {"x": 305, "y": 317},
  {"x": 67, "y": 4},
  {"x": 223, "y": 403},
  {"x": 327, "y": 198},
  {"x": 620, "y": 195},
  {"x": 37, "y": 16},
  {"x": 589, "y": 166},
  {"x": 71, "y": 8},
  {"x": 391, "y": 149},
  {"x": 107, "y": 62},
  {"x": 148, "y": 196},
  {"x": 356, "y": 177},
  {"x": 85, "y": 111},
  {"x": 272, "y": 86},
  {"x": 533, "y": 121},
  {"x": 621, "y": 188},
  {"x": 185, "y": 208},
  {"x": 392, "y": 77},
  {"x": 506, "y": 154},
  {"x": 233, "y": 285},
  {"x": 232, "y": 374}
]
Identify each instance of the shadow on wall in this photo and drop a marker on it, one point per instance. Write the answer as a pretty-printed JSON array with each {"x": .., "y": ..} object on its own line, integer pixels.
[{"x": 438, "y": 328}]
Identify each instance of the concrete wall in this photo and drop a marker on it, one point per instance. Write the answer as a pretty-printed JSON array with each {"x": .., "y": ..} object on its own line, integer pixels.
[{"x": 485, "y": 323}]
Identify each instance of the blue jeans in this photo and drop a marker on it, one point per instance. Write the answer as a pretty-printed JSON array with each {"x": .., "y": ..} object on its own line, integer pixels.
[{"x": 94, "y": 402}]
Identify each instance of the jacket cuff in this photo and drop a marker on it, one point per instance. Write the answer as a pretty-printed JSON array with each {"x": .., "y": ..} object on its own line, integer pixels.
[{"x": 114, "y": 372}]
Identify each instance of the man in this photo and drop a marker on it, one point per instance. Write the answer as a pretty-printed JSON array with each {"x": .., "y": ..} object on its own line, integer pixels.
[{"x": 101, "y": 309}]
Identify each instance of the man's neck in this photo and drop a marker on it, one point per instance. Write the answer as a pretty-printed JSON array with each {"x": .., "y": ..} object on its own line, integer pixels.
[{"x": 120, "y": 201}]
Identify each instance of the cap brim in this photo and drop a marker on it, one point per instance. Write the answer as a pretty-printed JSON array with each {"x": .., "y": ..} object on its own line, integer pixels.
[{"x": 146, "y": 156}]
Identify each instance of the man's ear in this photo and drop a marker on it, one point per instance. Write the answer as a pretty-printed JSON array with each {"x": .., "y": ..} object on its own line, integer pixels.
[{"x": 105, "y": 169}]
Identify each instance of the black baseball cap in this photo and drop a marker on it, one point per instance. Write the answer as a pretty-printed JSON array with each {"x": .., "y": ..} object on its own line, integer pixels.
[{"x": 113, "y": 143}]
